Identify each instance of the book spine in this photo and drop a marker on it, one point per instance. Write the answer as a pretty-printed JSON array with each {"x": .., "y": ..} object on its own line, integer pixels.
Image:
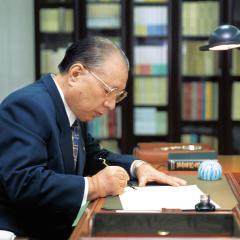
[
  {"x": 185, "y": 165},
  {"x": 192, "y": 155}
]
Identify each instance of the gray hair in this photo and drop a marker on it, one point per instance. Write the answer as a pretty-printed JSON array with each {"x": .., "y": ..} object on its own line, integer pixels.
[{"x": 90, "y": 52}]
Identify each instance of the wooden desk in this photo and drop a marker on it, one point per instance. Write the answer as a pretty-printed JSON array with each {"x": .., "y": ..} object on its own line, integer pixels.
[{"x": 229, "y": 164}]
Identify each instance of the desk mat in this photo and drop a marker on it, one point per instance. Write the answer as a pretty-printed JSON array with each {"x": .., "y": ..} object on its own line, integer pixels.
[{"x": 220, "y": 192}]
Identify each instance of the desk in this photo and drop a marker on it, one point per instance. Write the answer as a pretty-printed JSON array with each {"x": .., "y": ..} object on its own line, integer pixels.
[{"x": 229, "y": 164}]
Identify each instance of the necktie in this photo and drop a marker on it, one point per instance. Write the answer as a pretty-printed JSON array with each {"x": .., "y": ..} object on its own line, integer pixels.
[{"x": 75, "y": 139}]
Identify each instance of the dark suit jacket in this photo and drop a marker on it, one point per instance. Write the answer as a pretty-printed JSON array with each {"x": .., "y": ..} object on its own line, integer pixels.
[{"x": 40, "y": 192}]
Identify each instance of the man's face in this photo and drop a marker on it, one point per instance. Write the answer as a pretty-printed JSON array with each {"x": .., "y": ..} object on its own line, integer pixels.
[{"x": 89, "y": 97}]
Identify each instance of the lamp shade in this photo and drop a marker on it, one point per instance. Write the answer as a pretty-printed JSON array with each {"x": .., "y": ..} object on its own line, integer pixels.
[{"x": 224, "y": 37}]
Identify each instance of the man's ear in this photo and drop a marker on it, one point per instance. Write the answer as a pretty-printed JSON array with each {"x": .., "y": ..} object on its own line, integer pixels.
[{"x": 76, "y": 70}]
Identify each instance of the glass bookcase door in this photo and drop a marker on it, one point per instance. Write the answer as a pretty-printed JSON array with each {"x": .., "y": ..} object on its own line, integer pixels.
[
  {"x": 235, "y": 101},
  {"x": 56, "y": 32},
  {"x": 103, "y": 18},
  {"x": 150, "y": 57},
  {"x": 200, "y": 73}
]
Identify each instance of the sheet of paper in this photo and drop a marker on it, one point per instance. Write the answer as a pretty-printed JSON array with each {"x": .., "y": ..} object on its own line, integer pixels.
[{"x": 157, "y": 197}]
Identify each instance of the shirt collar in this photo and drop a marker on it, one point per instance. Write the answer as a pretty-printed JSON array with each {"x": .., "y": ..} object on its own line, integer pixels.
[{"x": 71, "y": 116}]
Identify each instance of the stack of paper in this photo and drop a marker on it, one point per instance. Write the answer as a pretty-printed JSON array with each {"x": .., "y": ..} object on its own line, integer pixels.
[{"x": 157, "y": 197}]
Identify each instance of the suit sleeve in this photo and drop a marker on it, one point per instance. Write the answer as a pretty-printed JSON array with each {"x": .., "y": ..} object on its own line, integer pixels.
[{"x": 94, "y": 152}]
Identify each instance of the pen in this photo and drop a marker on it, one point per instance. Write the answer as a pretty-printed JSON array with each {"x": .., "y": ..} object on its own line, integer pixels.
[
  {"x": 132, "y": 186},
  {"x": 104, "y": 162}
]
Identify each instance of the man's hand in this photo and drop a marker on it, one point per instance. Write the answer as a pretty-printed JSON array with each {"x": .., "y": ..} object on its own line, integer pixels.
[
  {"x": 110, "y": 181},
  {"x": 146, "y": 173}
]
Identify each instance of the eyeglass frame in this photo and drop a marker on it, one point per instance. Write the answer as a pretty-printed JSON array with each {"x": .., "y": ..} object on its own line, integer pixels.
[{"x": 120, "y": 95}]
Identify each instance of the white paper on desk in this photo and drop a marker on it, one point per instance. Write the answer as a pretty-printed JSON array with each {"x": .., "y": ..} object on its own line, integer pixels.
[{"x": 157, "y": 197}]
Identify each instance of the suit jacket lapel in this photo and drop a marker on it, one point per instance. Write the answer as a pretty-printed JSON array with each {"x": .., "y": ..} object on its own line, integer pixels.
[{"x": 63, "y": 123}]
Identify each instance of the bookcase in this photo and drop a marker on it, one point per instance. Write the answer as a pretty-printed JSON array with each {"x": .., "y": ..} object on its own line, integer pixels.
[
  {"x": 104, "y": 18},
  {"x": 199, "y": 73},
  {"x": 150, "y": 69},
  {"x": 210, "y": 111},
  {"x": 60, "y": 22},
  {"x": 176, "y": 92}
]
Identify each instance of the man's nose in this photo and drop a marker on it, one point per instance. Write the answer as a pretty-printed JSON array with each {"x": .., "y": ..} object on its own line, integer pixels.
[{"x": 110, "y": 103}]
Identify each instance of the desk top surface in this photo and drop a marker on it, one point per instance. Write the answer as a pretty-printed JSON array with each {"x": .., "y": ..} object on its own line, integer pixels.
[{"x": 229, "y": 164}]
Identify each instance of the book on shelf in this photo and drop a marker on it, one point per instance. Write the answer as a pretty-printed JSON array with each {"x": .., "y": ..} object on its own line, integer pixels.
[
  {"x": 236, "y": 101},
  {"x": 106, "y": 126},
  {"x": 56, "y": 20},
  {"x": 150, "y": 21},
  {"x": 235, "y": 63},
  {"x": 150, "y": 91},
  {"x": 189, "y": 160},
  {"x": 194, "y": 138},
  {"x": 207, "y": 11},
  {"x": 150, "y": 121},
  {"x": 103, "y": 16},
  {"x": 200, "y": 100},
  {"x": 196, "y": 63},
  {"x": 150, "y": 59}
]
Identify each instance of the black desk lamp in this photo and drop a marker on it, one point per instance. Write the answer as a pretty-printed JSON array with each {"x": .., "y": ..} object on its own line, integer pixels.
[{"x": 224, "y": 37}]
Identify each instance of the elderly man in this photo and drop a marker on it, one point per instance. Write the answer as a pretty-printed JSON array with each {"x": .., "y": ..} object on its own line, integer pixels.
[{"x": 49, "y": 164}]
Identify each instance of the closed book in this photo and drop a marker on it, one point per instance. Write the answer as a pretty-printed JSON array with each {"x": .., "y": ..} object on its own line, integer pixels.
[
  {"x": 189, "y": 160},
  {"x": 187, "y": 165},
  {"x": 156, "y": 152}
]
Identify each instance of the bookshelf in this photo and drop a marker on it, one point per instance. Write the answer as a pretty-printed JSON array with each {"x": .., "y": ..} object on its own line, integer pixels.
[
  {"x": 54, "y": 24},
  {"x": 200, "y": 73},
  {"x": 150, "y": 69},
  {"x": 235, "y": 73},
  {"x": 176, "y": 92},
  {"x": 155, "y": 75},
  {"x": 104, "y": 18},
  {"x": 59, "y": 23}
]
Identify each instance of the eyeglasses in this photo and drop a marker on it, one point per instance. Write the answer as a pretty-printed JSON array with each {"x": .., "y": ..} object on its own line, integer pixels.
[{"x": 110, "y": 92}]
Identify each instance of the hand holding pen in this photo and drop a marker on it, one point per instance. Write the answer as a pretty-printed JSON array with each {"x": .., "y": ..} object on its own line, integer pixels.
[
  {"x": 109, "y": 181},
  {"x": 104, "y": 162}
]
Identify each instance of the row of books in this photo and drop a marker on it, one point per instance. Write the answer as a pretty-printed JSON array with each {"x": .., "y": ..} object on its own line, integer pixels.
[
  {"x": 56, "y": 1},
  {"x": 200, "y": 18},
  {"x": 150, "y": 121},
  {"x": 111, "y": 145},
  {"x": 56, "y": 20},
  {"x": 50, "y": 59},
  {"x": 200, "y": 100},
  {"x": 198, "y": 63},
  {"x": 103, "y": 1},
  {"x": 194, "y": 138},
  {"x": 151, "y": 69},
  {"x": 98, "y": 16},
  {"x": 151, "y": 1},
  {"x": 151, "y": 60},
  {"x": 68, "y": 1},
  {"x": 150, "y": 91},
  {"x": 236, "y": 101},
  {"x": 103, "y": 15},
  {"x": 235, "y": 62},
  {"x": 107, "y": 126},
  {"x": 150, "y": 21}
]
